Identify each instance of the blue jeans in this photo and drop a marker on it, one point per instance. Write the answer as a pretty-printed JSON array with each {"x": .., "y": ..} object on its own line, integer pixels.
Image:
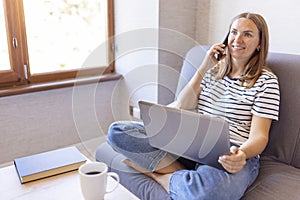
[{"x": 203, "y": 182}]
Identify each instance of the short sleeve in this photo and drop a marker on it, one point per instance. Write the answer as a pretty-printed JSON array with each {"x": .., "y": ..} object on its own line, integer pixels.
[
  {"x": 267, "y": 99},
  {"x": 206, "y": 79}
]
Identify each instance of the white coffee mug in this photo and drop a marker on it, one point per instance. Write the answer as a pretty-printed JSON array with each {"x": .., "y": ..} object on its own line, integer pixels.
[{"x": 93, "y": 180}]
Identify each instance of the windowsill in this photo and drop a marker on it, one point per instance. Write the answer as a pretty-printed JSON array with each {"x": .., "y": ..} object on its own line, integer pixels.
[{"x": 35, "y": 87}]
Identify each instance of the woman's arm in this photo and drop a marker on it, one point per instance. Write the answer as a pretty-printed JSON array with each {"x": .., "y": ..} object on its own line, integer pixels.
[
  {"x": 258, "y": 139},
  {"x": 188, "y": 97}
]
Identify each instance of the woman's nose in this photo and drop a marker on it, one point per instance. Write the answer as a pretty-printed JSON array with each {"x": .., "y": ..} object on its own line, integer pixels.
[{"x": 238, "y": 38}]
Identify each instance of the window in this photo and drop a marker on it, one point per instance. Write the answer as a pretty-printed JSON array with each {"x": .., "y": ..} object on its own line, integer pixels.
[
  {"x": 4, "y": 56},
  {"x": 49, "y": 40}
]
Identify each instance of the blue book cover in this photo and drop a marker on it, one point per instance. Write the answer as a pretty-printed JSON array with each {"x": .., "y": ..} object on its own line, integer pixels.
[{"x": 47, "y": 164}]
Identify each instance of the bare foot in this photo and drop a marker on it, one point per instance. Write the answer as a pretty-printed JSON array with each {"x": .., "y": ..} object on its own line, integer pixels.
[
  {"x": 168, "y": 165},
  {"x": 162, "y": 179},
  {"x": 135, "y": 166}
]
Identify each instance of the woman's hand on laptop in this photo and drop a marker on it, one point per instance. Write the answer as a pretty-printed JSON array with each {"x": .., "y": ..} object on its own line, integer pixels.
[{"x": 235, "y": 161}]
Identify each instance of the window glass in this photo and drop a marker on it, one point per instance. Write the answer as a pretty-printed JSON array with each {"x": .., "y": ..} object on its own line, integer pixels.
[
  {"x": 61, "y": 35},
  {"x": 4, "y": 56}
]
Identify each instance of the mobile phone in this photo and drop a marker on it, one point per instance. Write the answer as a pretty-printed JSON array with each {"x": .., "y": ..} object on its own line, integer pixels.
[{"x": 225, "y": 42}]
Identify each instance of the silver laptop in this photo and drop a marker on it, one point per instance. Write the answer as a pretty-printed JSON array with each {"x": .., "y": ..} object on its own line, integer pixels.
[{"x": 187, "y": 134}]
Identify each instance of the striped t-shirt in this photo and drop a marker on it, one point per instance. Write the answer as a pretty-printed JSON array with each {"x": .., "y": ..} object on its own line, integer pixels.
[{"x": 227, "y": 98}]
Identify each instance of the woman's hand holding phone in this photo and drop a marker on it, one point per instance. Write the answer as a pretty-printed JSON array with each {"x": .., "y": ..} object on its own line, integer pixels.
[
  {"x": 214, "y": 55},
  {"x": 221, "y": 53}
]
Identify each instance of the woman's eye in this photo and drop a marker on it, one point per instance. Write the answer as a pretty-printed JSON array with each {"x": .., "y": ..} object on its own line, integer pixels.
[
  {"x": 233, "y": 32},
  {"x": 248, "y": 35}
]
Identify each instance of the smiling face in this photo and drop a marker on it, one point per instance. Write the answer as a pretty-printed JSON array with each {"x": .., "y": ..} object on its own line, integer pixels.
[{"x": 243, "y": 39}]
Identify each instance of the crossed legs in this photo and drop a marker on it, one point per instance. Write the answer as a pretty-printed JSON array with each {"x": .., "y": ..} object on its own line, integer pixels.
[
  {"x": 129, "y": 139},
  {"x": 165, "y": 169}
]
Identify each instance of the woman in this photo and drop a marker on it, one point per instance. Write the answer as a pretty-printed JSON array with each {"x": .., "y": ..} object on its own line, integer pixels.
[{"x": 238, "y": 87}]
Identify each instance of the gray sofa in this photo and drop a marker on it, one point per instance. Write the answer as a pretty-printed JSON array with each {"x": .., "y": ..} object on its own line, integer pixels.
[{"x": 279, "y": 176}]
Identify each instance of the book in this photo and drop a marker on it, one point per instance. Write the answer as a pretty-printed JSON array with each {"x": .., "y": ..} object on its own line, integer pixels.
[{"x": 49, "y": 163}]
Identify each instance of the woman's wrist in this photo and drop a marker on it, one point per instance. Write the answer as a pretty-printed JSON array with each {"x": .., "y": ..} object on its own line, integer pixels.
[
  {"x": 244, "y": 152},
  {"x": 201, "y": 71}
]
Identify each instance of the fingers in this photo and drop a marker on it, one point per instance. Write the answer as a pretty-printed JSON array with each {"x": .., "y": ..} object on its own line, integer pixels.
[
  {"x": 217, "y": 52},
  {"x": 234, "y": 149},
  {"x": 234, "y": 162},
  {"x": 212, "y": 58},
  {"x": 233, "y": 167},
  {"x": 217, "y": 49}
]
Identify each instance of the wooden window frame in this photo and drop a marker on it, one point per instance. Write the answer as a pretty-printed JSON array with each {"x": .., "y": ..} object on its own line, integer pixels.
[{"x": 15, "y": 27}]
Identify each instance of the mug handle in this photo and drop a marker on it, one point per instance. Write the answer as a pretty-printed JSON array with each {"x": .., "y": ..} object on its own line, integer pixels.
[{"x": 116, "y": 177}]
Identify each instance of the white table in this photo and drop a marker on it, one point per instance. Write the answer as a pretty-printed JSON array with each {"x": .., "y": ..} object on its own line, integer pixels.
[{"x": 64, "y": 186}]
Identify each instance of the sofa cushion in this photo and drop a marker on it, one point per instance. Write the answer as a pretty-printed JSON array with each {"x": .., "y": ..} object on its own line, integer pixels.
[
  {"x": 275, "y": 181},
  {"x": 285, "y": 134}
]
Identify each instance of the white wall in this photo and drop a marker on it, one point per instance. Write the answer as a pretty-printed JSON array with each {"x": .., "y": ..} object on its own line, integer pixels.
[
  {"x": 282, "y": 16},
  {"x": 136, "y": 30}
]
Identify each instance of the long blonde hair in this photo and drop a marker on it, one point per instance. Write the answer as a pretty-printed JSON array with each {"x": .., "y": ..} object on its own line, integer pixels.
[{"x": 257, "y": 62}]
